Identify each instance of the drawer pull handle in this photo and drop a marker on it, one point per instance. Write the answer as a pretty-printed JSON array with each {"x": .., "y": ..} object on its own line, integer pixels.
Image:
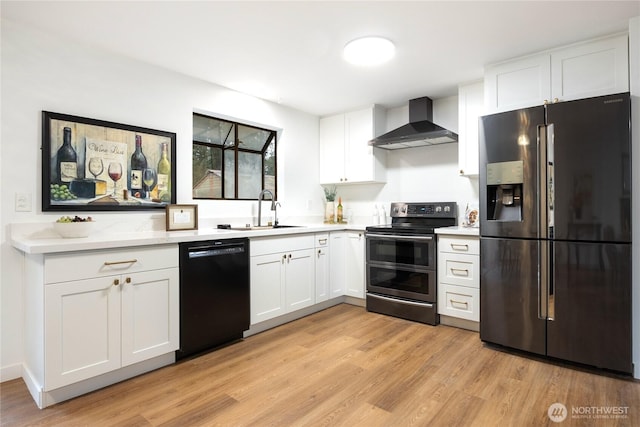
[
  {"x": 460, "y": 272},
  {"x": 460, "y": 303},
  {"x": 130, "y": 261},
  {"x": 322, "y": 241},
  {"x": 459, "y": 247}
]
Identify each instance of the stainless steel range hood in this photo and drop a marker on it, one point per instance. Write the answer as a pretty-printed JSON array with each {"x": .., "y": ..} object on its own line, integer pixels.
[{"x": 420, "y": 130}]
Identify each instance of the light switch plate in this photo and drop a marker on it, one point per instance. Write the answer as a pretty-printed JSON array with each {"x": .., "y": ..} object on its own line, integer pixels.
[{"x": 23, "y": 202}]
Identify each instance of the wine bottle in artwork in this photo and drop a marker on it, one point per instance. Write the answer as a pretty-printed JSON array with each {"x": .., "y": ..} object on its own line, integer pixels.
[
  {"x": 138, "y": 164},
  {"x": 164, "y": 176},
  {"x": 66, "y": 160}
]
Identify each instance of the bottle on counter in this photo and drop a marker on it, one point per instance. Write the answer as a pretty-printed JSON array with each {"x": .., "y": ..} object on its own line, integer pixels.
[
  {"x": 164, "y": 176},
  {"x": 138, "y": 164},
  {"x": 339, "y": 211},
  {"x": 375, "y": 218},
  {"x": 66, "y": 159},
  {"x": 383, "y": 215}
]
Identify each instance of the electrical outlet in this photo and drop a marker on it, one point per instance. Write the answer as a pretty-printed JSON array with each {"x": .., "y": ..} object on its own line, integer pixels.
[{"x": 23, "y": 202}]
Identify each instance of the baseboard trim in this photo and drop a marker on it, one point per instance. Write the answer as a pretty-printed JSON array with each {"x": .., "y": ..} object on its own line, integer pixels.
[{"x": 11, "y": 372}]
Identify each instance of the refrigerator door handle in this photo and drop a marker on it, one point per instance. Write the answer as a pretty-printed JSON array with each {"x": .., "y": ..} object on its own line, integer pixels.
[
  {"x": 542, "y": 182},
  {"x": 543, "y": 280},
  {"x": 550, "y": 180}
]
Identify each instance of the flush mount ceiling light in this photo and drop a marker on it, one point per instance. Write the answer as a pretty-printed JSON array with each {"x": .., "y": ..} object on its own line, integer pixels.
[{"x": 369, "y": 51}]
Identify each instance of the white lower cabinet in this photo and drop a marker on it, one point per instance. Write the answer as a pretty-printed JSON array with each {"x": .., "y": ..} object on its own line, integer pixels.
[
  {"x": 459, "y": 278},
  {"x": 347, "y": 260},
  {"x": 322, "y": 267},
  {"x": 282, "y": 276},
  {"x": 93, "y": 313}
]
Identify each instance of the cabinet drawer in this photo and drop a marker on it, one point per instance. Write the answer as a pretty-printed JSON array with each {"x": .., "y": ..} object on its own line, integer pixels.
[
  {"x": 459, "y": 244},
  {"x": 458, "y": 269},
  {"x": 272, "y": 245},
  {"x": 99, "y": 263},
  {"x": 322, "y": 240},
  {"x": 459, "y": 301}
]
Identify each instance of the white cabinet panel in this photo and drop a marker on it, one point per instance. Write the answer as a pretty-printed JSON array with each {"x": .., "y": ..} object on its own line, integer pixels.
[
  {"x": 267, "y": 287},
  {"x": 459, "y": 301},
  {"x": 82, "y": 330},
  {"x": 300, "y": 279},
  {"x": 338, "y": 263},
  {"x": 150, "y": 303},
  {"x": 470, "y": 108},
  {"x": 459, "y": 269},
  {"x": 517, "y": 84},
  {"x": 345, "y": 154},
  {"x": 322, "y": 251},
  {"x": 355, "y": 264},
  {"x": 597, "y": 68}
]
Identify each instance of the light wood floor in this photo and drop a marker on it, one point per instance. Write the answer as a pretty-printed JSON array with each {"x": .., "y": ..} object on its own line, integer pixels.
[{"x": 347, "y": 367}]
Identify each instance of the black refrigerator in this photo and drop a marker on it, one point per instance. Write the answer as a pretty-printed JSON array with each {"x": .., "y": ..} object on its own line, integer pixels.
[{"x": 555, "y": 230}]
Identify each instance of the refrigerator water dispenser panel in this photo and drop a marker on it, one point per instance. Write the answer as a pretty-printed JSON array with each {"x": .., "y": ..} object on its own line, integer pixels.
[{"x": 504, "y": 190}]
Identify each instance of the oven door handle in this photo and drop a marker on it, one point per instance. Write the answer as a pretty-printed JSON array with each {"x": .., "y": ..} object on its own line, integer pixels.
[
  {"x": 402, "y": 301},
  {"x": 397, "y": 237}
]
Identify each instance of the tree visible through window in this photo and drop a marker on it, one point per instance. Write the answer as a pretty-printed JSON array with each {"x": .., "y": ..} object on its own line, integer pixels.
[{"x": 232, "y": 160}]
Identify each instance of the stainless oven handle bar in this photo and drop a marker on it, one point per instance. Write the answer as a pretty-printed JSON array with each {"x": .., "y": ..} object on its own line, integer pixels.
[
  {"x": 401, "y": 301},
  {"x": 396, "y": 237}
]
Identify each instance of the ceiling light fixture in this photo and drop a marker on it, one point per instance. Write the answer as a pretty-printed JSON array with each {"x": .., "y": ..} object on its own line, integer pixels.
[{"x": 369, "y": 51}]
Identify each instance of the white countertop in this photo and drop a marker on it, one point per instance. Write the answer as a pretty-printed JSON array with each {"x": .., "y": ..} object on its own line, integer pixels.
[
  {"x": 459, "y": 230},
  {"x": 32, "y": 240}
]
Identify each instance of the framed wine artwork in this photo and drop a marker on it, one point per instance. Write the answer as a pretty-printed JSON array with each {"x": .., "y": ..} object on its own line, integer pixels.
[{"x": 95, "y": 165}]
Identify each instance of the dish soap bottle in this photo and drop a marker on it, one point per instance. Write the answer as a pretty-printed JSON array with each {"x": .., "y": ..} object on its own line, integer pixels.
[
  {"x": 339, "y": 213},
  {"x": 382, "y": 215},
  {"x": 375, "y": 218}
]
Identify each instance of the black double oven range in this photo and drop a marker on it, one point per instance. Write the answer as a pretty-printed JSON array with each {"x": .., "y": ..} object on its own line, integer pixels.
[{"x": 401, "y": 261}]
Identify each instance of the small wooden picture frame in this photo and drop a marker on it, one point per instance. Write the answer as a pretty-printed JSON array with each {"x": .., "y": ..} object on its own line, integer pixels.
[{"x": 182, "y": 217}]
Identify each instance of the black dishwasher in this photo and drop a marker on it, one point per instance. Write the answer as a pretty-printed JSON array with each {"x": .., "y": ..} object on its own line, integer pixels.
[{"x": 214, "y": 294}]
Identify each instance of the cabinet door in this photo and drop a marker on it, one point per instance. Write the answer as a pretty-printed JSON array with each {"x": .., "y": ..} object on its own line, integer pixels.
[
  {"x": 592, "y": 69},
  {"x": 355, "y": 264},
  {"x": 322, "y": 274},
  {"x": 470, "y": 108},
  {"x": 300, "y": 279},
  {"x": 359, "y": 161},
  {"x": 82, "y": 330},
  {"x": 337, "y": 264},
  {"x": 150, "y": 314},
  {"x": 517, "y": 84},
  {"x": 332, "y": 149},
  {"x": 267, "y": 287}
]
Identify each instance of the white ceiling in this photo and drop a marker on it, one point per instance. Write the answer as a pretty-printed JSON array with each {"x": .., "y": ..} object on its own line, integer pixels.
[{"x": 290, "y": 52}]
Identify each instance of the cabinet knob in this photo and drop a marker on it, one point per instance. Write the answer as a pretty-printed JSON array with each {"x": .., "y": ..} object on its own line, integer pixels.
[
  {"x": 555, "y": 100},
  {"x": 128, "y": 280},
  {"x": 545, "y": 102},
  {"x": 461, "y": 171},
  {"x": 116, "y": 282}
]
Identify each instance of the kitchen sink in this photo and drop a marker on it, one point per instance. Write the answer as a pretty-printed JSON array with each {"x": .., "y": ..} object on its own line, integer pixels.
[{"x": 265, "y": 227}]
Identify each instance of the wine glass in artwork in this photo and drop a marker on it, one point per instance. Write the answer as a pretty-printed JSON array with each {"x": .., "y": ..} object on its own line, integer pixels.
[
  {"x": 96, "y": 166},
  {"x": 149, "y": 180},
  {"x": 115, "y": 173}
]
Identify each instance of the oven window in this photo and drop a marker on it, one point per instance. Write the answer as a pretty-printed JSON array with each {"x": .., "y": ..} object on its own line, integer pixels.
[
  {"x": 418, "y": 283},
  {"x": 405, "y": 252}
]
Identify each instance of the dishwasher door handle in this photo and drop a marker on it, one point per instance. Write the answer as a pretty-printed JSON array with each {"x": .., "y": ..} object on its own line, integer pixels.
[{"x": 217, "y": 250}]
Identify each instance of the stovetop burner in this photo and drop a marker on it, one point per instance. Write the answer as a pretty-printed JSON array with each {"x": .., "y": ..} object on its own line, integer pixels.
[{"x": 418, "y": 218}]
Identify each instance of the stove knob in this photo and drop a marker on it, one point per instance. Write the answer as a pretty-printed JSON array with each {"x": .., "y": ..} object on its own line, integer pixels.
[
  {"x": 404, "y": 209},
  {"x": 438, "y": 209},
  {"x": 447, "y": 208}
]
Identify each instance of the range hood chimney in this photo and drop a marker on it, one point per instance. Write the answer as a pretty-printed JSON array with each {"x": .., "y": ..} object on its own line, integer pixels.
[{"x": 420, "y": 130}]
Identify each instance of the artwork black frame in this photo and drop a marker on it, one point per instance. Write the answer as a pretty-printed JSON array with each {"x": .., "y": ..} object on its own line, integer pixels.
[{"x": 107, "y": 142}]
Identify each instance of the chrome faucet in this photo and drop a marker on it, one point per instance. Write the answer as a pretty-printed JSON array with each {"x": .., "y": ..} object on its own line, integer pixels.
[{"x": 260, "y": 198}]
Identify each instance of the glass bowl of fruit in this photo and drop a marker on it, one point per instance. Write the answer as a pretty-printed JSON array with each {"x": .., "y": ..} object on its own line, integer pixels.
[{"x": 72, "y": 227}]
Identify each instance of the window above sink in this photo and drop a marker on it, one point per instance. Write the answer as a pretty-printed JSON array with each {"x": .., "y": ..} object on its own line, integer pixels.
[{"x": 232, "y": 160}]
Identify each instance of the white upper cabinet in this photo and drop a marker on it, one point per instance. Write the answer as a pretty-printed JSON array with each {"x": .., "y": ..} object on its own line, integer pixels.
[
  {"x": 517, "y": 84},
  {"x": 470, "y": 108},
  {"x": 345, "y": 154},
  {"x": 593, "y": 68},
  {"x": 597, "y": 68}
]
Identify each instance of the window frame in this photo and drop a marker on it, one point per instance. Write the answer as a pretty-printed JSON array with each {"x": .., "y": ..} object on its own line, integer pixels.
[{"x": 272, "y": 139}]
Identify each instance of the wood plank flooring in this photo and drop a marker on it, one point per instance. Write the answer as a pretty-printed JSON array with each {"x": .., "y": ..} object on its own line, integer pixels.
[{"x": 345, "y": 367}]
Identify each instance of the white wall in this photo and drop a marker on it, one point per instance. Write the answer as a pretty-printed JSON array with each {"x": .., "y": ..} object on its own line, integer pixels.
[{"x": 42, "y": 72}]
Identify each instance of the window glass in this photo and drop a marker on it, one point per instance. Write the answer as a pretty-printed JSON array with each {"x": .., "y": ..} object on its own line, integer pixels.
[{"x": 224, "y": 169}]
